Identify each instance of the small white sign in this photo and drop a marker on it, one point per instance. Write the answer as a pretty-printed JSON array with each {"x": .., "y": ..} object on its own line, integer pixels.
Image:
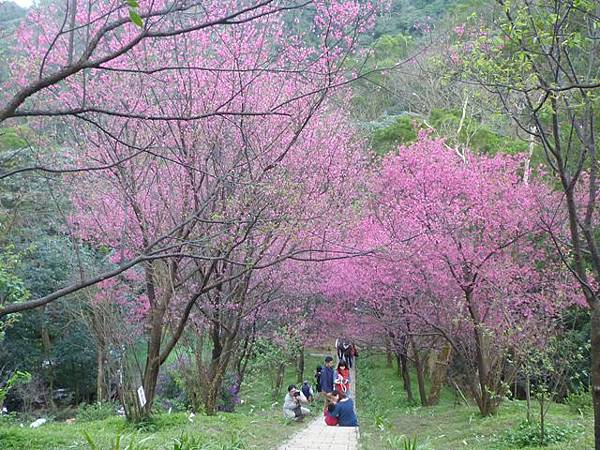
[{"x": 141, "y": 396}]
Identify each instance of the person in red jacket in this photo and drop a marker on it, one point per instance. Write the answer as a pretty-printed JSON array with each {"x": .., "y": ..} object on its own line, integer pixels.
[
  {"x": 342, "y": 381},
  {"x": 329, "y": 408}
]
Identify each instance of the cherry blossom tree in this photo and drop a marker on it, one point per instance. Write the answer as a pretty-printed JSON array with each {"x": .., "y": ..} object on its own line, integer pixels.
[
  {"x": 460, "y": 250},
  {"x": 142, "y": 94}
]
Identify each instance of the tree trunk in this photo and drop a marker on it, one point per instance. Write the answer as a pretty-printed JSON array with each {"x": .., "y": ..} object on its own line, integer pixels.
[
  {"x": 46, "y": 345},
  {"x": 155, "y": 325},
  {"x": 300, "y": 366},
  {"x": 528, "y": 396},
  {"x": 595, "y": 351},
  {"x": 278, "y": 381},
  {"x": 214, "y": 387},
  {"x": 441, "y": 362},
  {"x": 420, "y": 374},
  {"x": 152, "y": 366},
  {"x": 485, "y": 402},
  {"x": 101, "y": 391},
  {"x": 388, "y": 352},
  {"x": 542, "y": 417},
  {"x": 403, "y": 369}
]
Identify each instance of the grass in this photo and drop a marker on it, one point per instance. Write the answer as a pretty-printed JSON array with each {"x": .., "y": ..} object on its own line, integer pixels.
[
  {"x": 256, "y": 424},
  {"x": 386, "y": 418}
]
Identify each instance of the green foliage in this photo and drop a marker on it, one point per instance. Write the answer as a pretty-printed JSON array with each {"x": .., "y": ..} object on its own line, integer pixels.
[
  {"x": 12, "y": 287},
  {"x": 132, "y": 442},
  {"x": 12, "y": 138},
  {"x": 406, "y": 15},
  {"x": 134, "y": 14},
  {"x": 15, "y": 379},
  {"x": 16, "y": 439},
  {"x": 401, "y": 442},
  {"x": 410, "y": 445},
  {"x": 580, "y": 402},
  {"x": 95, "y": 411},
  {"x": 402, "y": 130},
  {"x": 574, "y": 347},
  {"x": 388, "y": 50},
  {"x": 190, "y": 442},
  {"x": 528, "y": 434},
  {"x": 450, "y": 424},
  {"x": 474, "y": 134}
]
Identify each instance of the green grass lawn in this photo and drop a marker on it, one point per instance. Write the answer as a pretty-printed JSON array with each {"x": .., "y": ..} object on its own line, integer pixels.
[
  {"x": 386, "y": 418},
  {"x": 256, "y": 424}
]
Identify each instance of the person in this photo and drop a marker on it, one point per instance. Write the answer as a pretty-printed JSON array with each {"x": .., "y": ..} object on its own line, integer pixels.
[
  {"x": 346, "y": 346},
  {"x": 349, "y": 354},
  {"x": 344, "y": 411},
  {"x": 340, "y": 345},
  {"x": 342, "y": 381},
  {"x": 327, "y": 376},
  {"x": 330, "y": 401},
  {"x": 318, "y": 377},
  {"x": 329, "y": 419},
  {"x": 292, "y": 404},
  {"x": 307, "y": 390}
]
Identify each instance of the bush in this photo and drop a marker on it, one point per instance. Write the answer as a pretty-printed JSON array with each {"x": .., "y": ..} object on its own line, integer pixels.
[
  {"x": 529, "y": 434},
  {"x": 95, "y": 411},
  {"x": 229, "y": 394},
  {"x": 580, "y": 402},
  {"x": 170, "y": 390}
]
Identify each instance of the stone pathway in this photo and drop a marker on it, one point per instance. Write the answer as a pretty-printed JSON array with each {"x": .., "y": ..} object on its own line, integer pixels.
[{"x": 318, "y": 436}]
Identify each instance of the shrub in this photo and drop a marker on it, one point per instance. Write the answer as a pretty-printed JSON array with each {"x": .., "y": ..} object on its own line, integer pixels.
[
  {"x": 229, "y": 394},
  {"x": 170, "y": 390},
  {"x": 95, "y": 411},
  {"x": 529, "y": 434},
  {"x": 580, "y": 402}
]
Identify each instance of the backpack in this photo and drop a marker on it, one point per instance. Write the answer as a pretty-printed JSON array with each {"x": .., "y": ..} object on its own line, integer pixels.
[
  {"x": 348, "y": 351},
  {"x": 306, "y": 390}
]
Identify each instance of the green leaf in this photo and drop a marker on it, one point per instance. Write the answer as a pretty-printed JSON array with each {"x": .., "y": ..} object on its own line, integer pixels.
[
  {"x": 133, "y": 3},
  {"x": 135, "y": 18}
]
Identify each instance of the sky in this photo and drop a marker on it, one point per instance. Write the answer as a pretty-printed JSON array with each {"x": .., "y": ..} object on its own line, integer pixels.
[{"x": 24, "y": 3}]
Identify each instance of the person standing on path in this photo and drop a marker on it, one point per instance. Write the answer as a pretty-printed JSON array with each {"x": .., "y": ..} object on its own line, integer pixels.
[
  {"x": 327, "y": 376},
  {"x": 342, "y": 378}
]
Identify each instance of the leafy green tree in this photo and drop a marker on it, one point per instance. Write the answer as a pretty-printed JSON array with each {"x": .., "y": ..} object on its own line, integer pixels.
[{"x": 541, "y": 59}]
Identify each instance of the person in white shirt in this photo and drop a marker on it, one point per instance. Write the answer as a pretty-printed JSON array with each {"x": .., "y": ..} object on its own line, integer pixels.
[{"x": 293, "y": 404}]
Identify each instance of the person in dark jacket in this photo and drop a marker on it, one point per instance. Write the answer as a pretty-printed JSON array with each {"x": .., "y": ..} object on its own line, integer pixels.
[
  {"x": 318, "y": 378},
  {"x": 327, "y": 376},
  {"x": 344, "y": 411}
]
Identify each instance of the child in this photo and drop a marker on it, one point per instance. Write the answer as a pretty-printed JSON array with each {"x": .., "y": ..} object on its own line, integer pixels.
[
  {"x": 307, "y": 391},
  {"x": 318, "y": 377},
  {"x": 329, "y": 419},
  {"x": 342, "y": 382}
]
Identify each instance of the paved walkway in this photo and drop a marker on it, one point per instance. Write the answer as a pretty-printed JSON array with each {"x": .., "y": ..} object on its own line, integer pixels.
[{"x": 318, "y": 436}]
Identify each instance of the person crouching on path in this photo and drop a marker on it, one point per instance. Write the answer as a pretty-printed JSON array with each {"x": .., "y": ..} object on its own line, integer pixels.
[
  {"x": 344, "y": 411},
  {"x": 292, "y": 404},
  {"x": 329, "y": 408},
  {"x": 327, "y": 376},
  {"x": 342, "y": 378}
]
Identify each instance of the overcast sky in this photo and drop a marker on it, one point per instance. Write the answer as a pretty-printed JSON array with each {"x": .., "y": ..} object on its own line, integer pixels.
[{"x": 24, "y": 3}]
